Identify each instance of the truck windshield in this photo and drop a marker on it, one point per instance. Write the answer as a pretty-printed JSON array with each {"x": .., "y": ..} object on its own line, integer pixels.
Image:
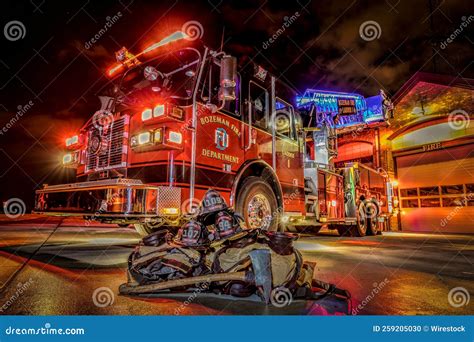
[{"x": 171, "y": 75}]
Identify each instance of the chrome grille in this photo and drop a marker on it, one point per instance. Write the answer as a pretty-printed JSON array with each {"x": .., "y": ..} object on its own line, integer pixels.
[{"x": 107, "y": 146}]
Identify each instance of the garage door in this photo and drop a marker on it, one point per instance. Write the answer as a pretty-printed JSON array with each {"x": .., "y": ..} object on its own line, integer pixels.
[
  {"x": 359, "y": 151},
  {"x": 437, "y": 190}
]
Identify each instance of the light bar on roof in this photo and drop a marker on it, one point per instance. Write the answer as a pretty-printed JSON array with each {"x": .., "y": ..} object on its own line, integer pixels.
[{"x": 178, "y": 35}]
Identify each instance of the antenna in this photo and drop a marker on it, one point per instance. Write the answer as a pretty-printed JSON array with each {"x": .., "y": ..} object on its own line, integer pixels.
[{"x": 222, "y": 38}]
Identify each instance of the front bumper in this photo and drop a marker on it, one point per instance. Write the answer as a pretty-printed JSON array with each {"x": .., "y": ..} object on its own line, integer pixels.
[{"x": 109, "y": 199}]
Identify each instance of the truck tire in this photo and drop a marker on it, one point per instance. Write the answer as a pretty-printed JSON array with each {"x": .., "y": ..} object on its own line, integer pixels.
[
  {"x": 372, "y": 213},
  {"x": 360, "y": 228},
  {"x": 257, "y": 204}
]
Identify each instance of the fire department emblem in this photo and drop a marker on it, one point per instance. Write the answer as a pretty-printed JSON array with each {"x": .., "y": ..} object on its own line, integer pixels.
[{"x": 221, "y": 139}]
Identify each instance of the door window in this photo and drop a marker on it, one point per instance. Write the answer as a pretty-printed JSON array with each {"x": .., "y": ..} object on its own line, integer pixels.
[
  {"x": 210, "y": 89},
  {"x": 258, "y": 97},
  {"x": 284, "y": 123}
]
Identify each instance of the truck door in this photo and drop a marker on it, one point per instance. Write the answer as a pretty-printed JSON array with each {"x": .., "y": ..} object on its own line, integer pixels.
[
  {"x": 219, "y": 151},
  {"x": 287, "y": 158}
]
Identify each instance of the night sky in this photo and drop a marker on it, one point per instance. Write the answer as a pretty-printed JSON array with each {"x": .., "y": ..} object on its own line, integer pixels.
[{"x": 49, "y": 67}]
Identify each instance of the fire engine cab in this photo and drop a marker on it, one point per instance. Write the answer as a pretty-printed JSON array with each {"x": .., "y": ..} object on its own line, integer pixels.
[{"x": 179, "y": 118}]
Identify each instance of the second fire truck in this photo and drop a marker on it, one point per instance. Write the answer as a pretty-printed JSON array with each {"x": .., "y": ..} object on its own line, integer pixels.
[{"x": 179, "y": 118}]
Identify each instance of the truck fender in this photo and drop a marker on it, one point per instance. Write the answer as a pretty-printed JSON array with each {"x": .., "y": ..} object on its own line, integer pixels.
[{"x": 256, "y": 168}]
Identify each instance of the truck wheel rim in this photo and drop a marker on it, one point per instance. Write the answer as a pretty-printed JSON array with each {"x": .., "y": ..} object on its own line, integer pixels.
[
  {"x": 259, "y": 212},
  {"x": 362, "y": 219}
]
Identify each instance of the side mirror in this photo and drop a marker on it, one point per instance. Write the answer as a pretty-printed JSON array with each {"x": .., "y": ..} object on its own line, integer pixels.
[{"x": 228, "y": 78}]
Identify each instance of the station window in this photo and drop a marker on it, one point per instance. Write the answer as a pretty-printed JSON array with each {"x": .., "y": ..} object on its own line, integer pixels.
[
  {"x": 410, "y": 203},
  {"x": 430, "y": 202},
  {"x": 470, "y": 189},
  {"x": 408, "y": 192},
  {"x": 437, "y": 196},
  {"x": 258, "y": 97},
  {"x": 452, "y": 189},
  {"x": 429, "y": 191},
  {"x": 452, "y": 202}
]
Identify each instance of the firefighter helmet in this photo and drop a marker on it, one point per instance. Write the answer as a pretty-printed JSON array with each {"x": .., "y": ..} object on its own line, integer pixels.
[
  {"x": 192, "y": 234},
  {"x": 226, "y": 225},
  {"x": 212, "y": 202}
]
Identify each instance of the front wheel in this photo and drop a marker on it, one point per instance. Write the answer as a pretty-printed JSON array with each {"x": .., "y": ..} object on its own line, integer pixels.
[
  {"x": 257, "y": 203},
  {"x": 372, "y": 212}
]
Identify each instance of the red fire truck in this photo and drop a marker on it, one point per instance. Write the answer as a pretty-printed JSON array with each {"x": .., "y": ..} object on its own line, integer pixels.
[{"x": 180, "y": 118}]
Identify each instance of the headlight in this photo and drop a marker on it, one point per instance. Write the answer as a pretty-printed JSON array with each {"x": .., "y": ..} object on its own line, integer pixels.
[
  {"x": 144, "y": 138},
  {"x": 175, "y": 137},
  {"x": 162, "y": 111},
  {"x": 159, "y": 110},
  {"x": 71, "y": 159},
  {"x": 72, "y": 140},
  {"x": 147, "y": 114},
  {"x": 68, "y": 158},
  {"x": 157, "y": 136}
]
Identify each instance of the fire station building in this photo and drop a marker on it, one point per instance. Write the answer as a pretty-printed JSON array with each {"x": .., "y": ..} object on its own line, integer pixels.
[{"x": 428, "y": 147}]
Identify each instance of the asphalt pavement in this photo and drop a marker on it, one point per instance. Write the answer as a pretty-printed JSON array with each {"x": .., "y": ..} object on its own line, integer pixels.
[{"x": 50, "y": 266}]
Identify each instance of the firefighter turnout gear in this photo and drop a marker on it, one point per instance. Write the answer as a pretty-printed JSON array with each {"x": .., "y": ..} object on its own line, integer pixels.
[{"x": 228, "y": 259}]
